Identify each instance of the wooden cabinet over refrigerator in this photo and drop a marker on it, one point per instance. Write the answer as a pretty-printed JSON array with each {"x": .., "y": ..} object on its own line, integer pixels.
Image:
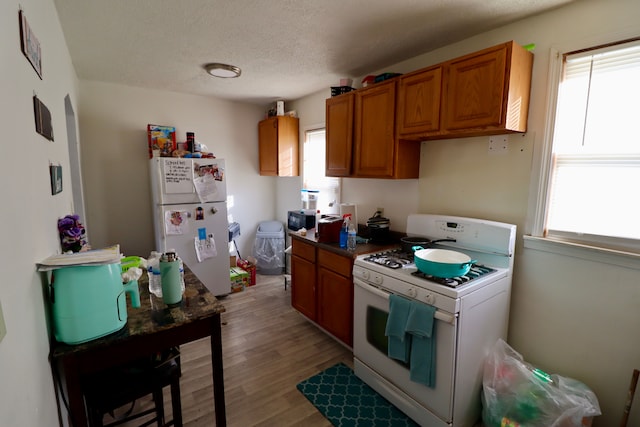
[{"x": 278, "y": 139}]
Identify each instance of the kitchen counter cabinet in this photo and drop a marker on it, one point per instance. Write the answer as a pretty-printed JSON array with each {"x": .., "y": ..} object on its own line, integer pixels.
[
  {"x": 322, "y": 283},
  {"x": 303, "y": 278},
  {"x": 278, "y": 141},
  {"x": 487, "y": 92},
  {"x": 335, "y": 295},
  {"x": 323, "y": 290}
]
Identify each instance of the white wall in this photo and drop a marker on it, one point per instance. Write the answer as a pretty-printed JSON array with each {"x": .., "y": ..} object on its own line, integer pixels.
[
  {"x": 113, "y": 120},
  {"x": 569, "y": 316},
  {"x": 28, "y": 211}
]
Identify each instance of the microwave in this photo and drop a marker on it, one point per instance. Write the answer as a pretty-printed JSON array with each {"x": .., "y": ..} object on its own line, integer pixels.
[{"x": 304, "y": 218}]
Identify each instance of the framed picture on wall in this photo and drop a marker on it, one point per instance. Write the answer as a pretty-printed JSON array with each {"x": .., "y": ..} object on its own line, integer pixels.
[{"x": 30, "y": 45}]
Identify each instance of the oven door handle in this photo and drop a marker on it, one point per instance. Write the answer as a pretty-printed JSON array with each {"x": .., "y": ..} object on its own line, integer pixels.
[{"x": 440, "y": 315}]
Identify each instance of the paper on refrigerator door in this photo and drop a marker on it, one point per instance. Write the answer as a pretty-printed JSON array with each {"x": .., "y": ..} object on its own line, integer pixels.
[
  {"x": 175, "y": 222},
  {"x": 206, "y": 188},
  {"x": 205, "y": 248}
]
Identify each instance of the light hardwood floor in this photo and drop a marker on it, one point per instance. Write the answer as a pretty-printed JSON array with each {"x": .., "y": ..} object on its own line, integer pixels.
[{"x": 268, "y": 348}]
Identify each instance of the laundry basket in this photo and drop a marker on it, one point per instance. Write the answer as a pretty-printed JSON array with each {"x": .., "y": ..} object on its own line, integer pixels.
[{"x": 268, "y": 248}]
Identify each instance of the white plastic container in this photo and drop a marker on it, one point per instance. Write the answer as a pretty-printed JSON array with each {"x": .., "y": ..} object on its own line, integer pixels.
[{"x": 309, "y": 199}]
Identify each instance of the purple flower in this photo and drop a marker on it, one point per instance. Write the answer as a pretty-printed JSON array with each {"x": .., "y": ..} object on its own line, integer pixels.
[{"x": 71, "y": 233}]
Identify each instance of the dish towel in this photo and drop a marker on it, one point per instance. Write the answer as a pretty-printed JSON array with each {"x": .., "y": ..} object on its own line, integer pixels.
[
  {"x": 420, "y": 324},
  {"x": 398, "y": 340}
]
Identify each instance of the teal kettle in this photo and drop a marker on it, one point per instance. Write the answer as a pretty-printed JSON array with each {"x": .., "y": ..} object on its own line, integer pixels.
[{"x": 89, "y": 301}]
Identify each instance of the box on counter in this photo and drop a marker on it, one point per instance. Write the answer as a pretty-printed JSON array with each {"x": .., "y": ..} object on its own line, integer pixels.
[
  {"x": 250, "y": 268},
  {"x": 239, "y": 279},
  {"x": 232, "y": 261}
]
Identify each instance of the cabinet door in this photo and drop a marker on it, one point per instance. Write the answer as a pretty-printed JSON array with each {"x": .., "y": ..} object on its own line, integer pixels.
[
  {"x": 339, "y": 119},
  {"x": 303, "y": 286},
  {"x": 374, "y": 135},
  {"x": 418, "y": 109},
  {"x": 335, "y": 304},
  {"x": 288, "y": 145},
  {"x": 278, "y": 146},
  {"x": 268, "y": 146},
  {"x": 475, "y": 93}
]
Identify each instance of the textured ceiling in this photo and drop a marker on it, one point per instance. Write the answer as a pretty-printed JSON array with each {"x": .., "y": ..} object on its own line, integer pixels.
[{"x": 285, "y": 48}]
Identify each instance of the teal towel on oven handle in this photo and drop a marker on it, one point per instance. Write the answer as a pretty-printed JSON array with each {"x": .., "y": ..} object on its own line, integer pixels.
[
  {"x": 421, "y": 326},
  {"x": 398, "y": 340}
]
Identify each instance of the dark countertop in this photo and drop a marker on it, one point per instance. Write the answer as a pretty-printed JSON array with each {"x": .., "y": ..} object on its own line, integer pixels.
[
  {"x": 361, "y": 248},
  {"x": 154, "y": 315}
]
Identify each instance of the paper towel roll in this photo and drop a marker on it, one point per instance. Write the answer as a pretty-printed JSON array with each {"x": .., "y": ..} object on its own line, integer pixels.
[{"x": 349, "y": 208}]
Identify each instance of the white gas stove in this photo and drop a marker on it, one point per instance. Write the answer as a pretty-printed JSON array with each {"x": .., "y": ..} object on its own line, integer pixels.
[{"x": 471, "y": 314}]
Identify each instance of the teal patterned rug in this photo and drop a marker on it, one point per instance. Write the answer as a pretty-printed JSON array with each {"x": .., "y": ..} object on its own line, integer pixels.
[{"x": 347, "y": 401}]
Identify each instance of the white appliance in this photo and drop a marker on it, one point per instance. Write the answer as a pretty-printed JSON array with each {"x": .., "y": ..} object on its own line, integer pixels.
[
  {"x": 190, "y": 216},
  {"x": 471, "y": 314}
]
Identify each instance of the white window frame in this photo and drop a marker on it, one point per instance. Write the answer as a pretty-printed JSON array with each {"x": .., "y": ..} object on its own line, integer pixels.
[
  {"x": 598, "y": 250},
  {"x": 334, "y": 208}
]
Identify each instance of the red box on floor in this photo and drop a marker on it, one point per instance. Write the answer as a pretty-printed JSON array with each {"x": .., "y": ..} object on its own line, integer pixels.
[{"x": 249, "y": 268}]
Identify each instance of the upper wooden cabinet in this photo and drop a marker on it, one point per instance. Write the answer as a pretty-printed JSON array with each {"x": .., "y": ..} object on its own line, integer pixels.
[
  {"x": 374, "y": 137},
  {"x": 278, "y": 146},
  {"x": 339, "y": 122},
  {"x": 418, "y": 107},
  {"x": 487, "y": 92},
  {"x": 361, "y": 136},
  {"x": 372, "y": 132},
  {"x": 483, "y": 93}
]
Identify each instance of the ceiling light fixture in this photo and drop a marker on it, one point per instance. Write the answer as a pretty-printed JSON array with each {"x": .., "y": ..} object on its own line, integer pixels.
[{"x": 224, "y": 71}]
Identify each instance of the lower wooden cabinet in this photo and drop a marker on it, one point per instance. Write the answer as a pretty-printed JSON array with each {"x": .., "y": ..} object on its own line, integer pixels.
[
  {"x": 303, "y": 286},
  {"x": 322, "y": 288}
]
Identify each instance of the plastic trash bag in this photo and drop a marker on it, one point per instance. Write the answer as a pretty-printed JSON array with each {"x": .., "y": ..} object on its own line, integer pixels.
[
  {"x": 516, "y": 394},
  {"x": 269, "y": 254}
]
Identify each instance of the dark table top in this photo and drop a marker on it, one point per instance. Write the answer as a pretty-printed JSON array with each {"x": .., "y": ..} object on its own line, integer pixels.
[{"x": 154, "y": 315}]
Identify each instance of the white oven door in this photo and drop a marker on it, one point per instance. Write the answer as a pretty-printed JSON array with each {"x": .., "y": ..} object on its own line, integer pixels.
[{"x": 371, "y": 309}]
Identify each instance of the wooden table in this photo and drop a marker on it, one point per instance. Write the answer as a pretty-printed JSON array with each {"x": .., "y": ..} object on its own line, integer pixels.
[{"x": 151, "y": 328}]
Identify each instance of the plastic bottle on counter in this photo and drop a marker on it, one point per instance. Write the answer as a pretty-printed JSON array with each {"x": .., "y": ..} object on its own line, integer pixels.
[
  {"x": 351, "y": 237},
  {"x": 181, "y": 274},
  {"x": 344, "y": 231},
  {"x": 153, "y": 271}
]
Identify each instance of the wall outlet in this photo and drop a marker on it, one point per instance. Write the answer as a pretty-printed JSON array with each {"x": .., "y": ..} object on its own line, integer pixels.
[{"x": 381, "y": 210}]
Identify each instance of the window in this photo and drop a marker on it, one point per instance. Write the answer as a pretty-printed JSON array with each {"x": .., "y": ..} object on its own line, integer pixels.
[
  {"x": 313, "y": 172},
  {"x": 594, "y": 171}
]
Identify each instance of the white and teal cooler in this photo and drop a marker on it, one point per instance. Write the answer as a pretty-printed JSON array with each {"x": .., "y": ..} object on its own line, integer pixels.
[{"x": 89, "y": 301}]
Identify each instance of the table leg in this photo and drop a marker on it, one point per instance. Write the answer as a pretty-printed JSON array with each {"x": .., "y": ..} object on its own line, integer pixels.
[
  {"x": 218, "y": 373},
  {"x": 74, "y": 393}
]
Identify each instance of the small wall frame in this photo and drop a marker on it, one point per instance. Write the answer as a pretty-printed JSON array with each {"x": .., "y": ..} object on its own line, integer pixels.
[{"x": 30, "y": 45}]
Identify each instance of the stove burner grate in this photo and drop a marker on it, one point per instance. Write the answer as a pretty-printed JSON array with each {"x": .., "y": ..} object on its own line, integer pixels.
[
  {"x": 476, "y": 271},
  {"x": 393, "y": 259}
]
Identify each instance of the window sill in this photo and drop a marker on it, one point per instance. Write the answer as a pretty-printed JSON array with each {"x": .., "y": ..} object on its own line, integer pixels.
[{"x": 589, "y": 253}]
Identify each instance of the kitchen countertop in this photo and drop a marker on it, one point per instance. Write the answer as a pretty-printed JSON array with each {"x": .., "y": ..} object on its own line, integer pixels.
[{"x": 361, "y": 248}]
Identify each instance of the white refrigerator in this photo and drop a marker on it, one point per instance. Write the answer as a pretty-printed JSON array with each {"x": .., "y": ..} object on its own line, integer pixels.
[{"x": 190, "y": 216}]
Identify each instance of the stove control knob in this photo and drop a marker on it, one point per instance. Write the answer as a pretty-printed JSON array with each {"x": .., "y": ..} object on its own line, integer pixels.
[
  {"x": 363, "y": 274},
  {"x": 430, "y": 299},
  {"x": 412, "y": 292},
  {"x": 377, "y": 279}
]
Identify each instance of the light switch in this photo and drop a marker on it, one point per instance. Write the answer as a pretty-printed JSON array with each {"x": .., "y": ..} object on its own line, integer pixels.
[{"x": 3, "y": 328}]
